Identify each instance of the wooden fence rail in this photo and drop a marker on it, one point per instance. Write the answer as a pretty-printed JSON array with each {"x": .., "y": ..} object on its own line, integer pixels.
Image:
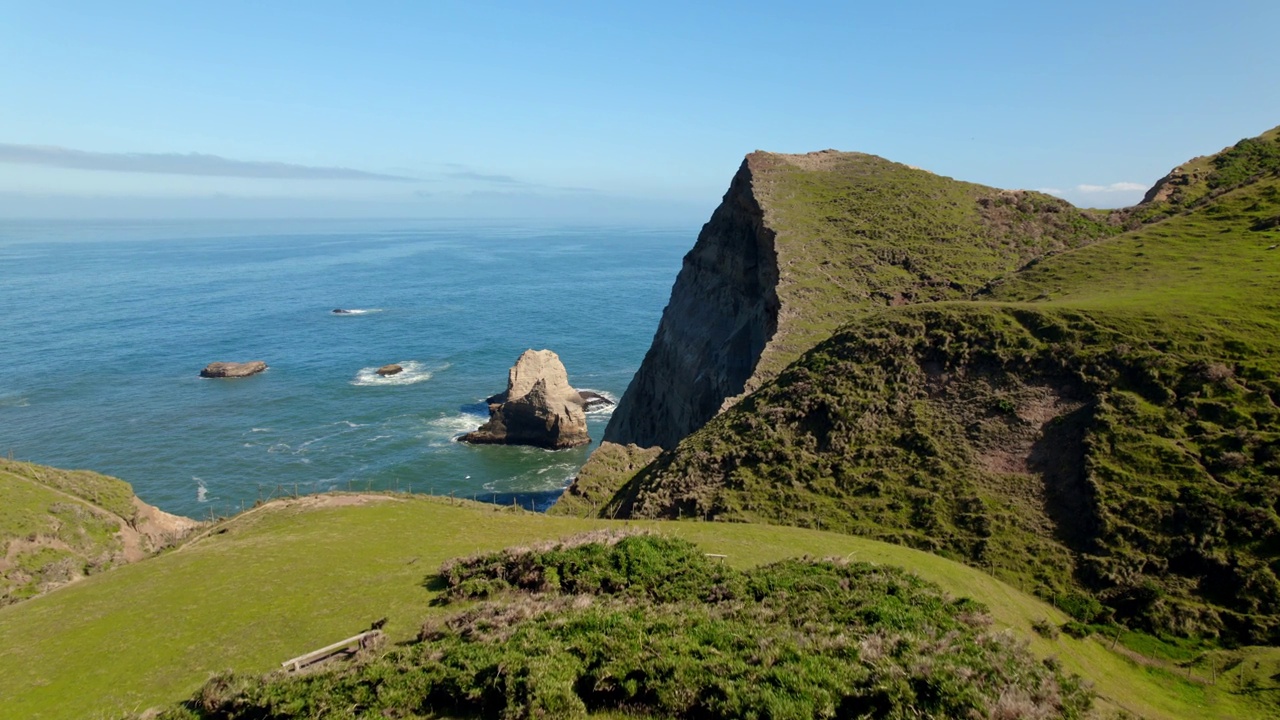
[{"x": 362, "y": 640}]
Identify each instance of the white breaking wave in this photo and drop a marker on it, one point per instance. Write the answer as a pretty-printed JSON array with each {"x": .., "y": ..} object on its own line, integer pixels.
[
  {"x": 545, "y": 479},
  {"x": 357, "y": 311},
  {"x": 202, "y": 492},
  {"x": 447, "y": 429},
  {"x": 413, "y": 372}
]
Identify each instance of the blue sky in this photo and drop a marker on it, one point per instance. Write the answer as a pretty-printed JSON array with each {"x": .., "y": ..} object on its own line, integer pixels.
[{"x": 602, "y": 111}]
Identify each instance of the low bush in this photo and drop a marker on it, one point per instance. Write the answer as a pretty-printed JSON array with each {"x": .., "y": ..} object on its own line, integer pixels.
[
  {"x": 1076, "y": 629},
  {"x": 1045, "y": 629}
]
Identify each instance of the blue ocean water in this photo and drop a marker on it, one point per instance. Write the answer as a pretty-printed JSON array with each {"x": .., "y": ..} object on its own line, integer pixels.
[{"x": 104, "y": 327}]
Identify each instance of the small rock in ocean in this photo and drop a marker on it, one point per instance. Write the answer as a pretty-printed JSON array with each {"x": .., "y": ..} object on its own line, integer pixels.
[
  {"x": 233, "y": 369},
  {"x": 340, "y": 311},
  {"x": 392, "y": 369},
  {"x": 594, "y": 400}
]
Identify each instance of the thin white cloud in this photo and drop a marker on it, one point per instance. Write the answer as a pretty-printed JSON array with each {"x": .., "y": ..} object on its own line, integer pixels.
[
  {"x": 179, "y": 164},
  {"x": 1112, "y": 188},
  {"x": 1049, "y": 191},
  {"x": 508, "y": 182},
  {"x": 485, "y": 177}
]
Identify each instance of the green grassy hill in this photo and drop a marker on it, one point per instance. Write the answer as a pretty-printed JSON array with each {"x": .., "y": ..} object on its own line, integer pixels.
[
  {"x": 1103, "y": 425},
  {"x": 296, "y": 575},
  {"x": 857, "y": 231},
  {"x": 1200, "y": 180},
  {"x": 57, "y": 526}
]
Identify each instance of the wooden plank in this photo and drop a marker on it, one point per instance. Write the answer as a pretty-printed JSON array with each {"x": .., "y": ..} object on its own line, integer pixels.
[{"x": 327, "y": 650}]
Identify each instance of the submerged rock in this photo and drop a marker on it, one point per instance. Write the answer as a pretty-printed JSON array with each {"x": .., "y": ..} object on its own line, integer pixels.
[
  {"x": 233, "y": 369},
  {"x": 340, "y": 311},
  {"x": 594, "y": 400},
  {"x": 539, "y": 407},
  {"x": 391, "y": 369}
]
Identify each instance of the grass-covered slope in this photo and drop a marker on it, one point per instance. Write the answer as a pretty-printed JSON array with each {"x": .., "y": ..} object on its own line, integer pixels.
[
  {"x": 651, "y": 626},
  {"x": 297, "y": 575},
  {"x": 857, "y": 231},
  {"x": 610, "y": 467},
  {"x": 1102, "y": 425},
  {"x": 60, "y": 525},
  {"x": 1199, "y": 181}
]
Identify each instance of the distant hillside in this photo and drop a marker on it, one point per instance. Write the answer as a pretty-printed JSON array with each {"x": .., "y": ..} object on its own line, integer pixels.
[
  {"x": 1101, "y": 426},
  {"x": 1200, "y": 180},
  {"x": 57, "y": 526}
]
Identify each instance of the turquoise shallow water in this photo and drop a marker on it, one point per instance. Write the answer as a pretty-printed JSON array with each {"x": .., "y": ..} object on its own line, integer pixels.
[{"x": 104, "y": 328}]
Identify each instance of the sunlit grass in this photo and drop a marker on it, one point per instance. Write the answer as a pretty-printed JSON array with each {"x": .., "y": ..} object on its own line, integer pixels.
[{"x": 287, "y": 579}]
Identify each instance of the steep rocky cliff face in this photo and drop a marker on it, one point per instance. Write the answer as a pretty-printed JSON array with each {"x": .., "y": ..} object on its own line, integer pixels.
[{"x": 723, "y": 310}]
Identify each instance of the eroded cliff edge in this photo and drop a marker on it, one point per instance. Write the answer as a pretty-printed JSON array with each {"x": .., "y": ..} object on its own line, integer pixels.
[
  {"x": 61, "y": 525},
  {"x": 722, "y": 312}
]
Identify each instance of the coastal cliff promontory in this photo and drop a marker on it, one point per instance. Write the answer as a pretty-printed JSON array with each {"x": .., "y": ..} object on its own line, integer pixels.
[
  {"x": 802, "y": 243},
  {"x": 59, "y": 526}
]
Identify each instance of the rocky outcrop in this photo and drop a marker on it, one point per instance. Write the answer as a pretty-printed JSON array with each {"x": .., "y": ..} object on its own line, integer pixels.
[
  {"x": 538, "y": 408},
  {"x": 1167, "y": 188},
  {"x": 388, "y": 370},
  {"x": 722, "y": 312},
  {"x": 233, "y": 369}
]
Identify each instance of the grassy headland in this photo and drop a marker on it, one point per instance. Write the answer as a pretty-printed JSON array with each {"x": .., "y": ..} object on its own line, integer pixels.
[{"x": 57, "y": 526}]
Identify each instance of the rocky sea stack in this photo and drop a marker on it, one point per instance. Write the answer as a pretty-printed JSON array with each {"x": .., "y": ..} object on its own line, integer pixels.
[
  {"x": 539, "y": 407},
  {"x": 233, "y": 369}
]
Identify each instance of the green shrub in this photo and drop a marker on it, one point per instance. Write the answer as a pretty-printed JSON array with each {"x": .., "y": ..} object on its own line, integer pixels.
[
  {"x": 1076, "y": 629},
  {"x": 796, "y": 639},
  {"x": 1084, "y": 608},
  {"x": 1249, "y": 157},
  {"x": 1045, "y": 629}
]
